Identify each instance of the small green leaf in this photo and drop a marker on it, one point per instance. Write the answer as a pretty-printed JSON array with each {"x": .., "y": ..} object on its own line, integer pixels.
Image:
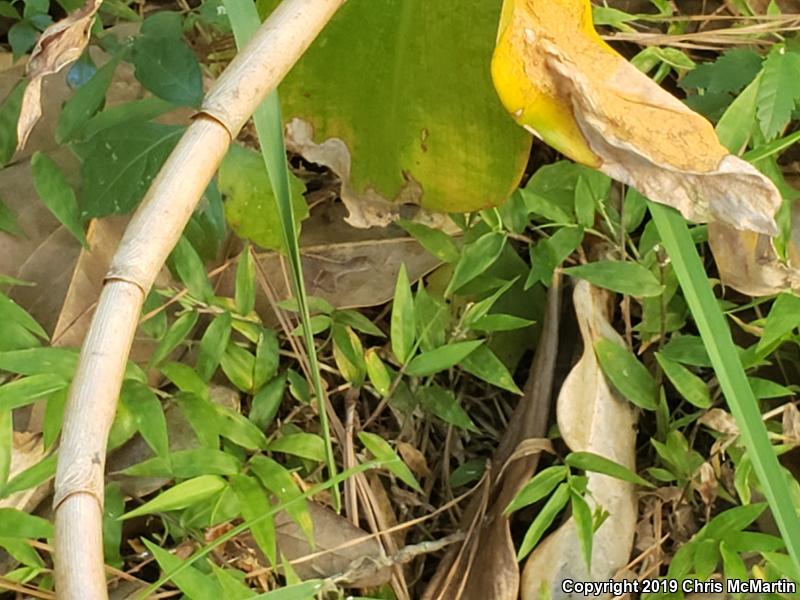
[
  {"x": 475, "y": 259},
  {"x": 783, "y": 318},
  {"x": 278, "y": 480},
  {"x": 304, "y": 445},
  {"x": 319, "y": 323},
  {"x": 349, "y": 354},
  {"x": 435, "y": 241},
  {"x": 584, "y": 203},
  {"x": 468, "y": 472},
  {"x": 582, "y": 515},
  {"x": 149, "y": 415},
  {"x": 732, "y": 563},
  {"x": 167, "y": 67},
  {"x": 544, "y": 482},
  {"x": 377, "y": 372},
  {"x": 87, "y": 100},
  {"x": 267, "y": 401},
  {"x": 554, "y": 505},
  {"x": 443, "y": 404},
  {"x": 733, "y": 520},
  {"x": 484, "y": 364},
  {"x": 18, "y": 524},
  {"x": 9, "y": 115},
  {"x": 299, "y": 591},
  {"x": 57, "y": 195},
  {"x": 551, "y": 252},
  {"x": 382, "y": 451},
  {"x": 38, "y": 361},
  {"x": 628, "y": 278},
  {"x": 432, "y": 319},
  {"x": 181, "y": 496},
  {"x": 589, "y": 461},
  {"x": 8, "y": 223},
  {"x": 22, "y": 392},
  {"x": 267, "y": 357},
  {"x": 239, "y": 366},
  {"x": 6, "y": 445},
  {"x": 357, "y": 321},
  {"x": 185, "y": 378},
  {"x": 31, "y": 477},
  {"x": 245, "y": 294},
  {"x": 213, "y": 345},
  {"x": 441, "y": 359},
  {"x": 689, "y": 385},
  {"x": 500, "y": 322},
  {"x": 190, "y": 580},
  {"x": 250, "y": 206},
  {"x": 10, "y": 311},
  {"x": 254, "y": 503},
  {"x": 627, "y": 374},
  {"x": 403, "y": 322},
  {"x": 191, "y": 270},
  {"x": 238, "y": 429},
  {"x": 113, "y": 507},
  {"x": 686, "y": 349}
]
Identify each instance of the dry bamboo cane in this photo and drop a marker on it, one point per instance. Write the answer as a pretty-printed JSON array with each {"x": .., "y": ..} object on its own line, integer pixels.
[{"x": 149, "y": 238}]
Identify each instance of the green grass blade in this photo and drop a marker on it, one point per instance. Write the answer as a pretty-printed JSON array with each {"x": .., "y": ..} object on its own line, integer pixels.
[
  {"x": 269, "y": 127},
  {"x": 730, "y": 373}
]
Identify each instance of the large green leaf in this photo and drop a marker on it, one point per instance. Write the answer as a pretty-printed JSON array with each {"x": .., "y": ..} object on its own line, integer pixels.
[
  {"x": 411, "y": 97},
  {"x": 120, "y": 162}
]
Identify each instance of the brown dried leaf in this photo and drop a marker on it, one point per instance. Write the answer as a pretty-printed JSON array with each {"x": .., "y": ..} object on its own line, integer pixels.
[
  {"x": 591, "y": 418},
  {"x": 61, "y": 44},
  {"x": 720, "y": 421},
  {"x": 791, "y": 423},
  {"x": 564, "y": 83},
  {"x": 337, "y": 545},
  {"x": 707, "y": 485},
  {"x": 748, "y": 263}
]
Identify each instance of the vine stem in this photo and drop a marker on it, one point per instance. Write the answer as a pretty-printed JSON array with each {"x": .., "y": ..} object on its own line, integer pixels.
[{"x": 150, "y": 237}]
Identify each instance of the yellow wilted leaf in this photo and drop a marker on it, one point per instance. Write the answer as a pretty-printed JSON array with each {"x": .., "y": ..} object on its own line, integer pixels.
[{"x": 563, "y": 83}]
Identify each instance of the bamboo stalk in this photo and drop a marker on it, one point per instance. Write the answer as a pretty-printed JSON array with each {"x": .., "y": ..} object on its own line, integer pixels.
[{"x": 149, "y": 238}]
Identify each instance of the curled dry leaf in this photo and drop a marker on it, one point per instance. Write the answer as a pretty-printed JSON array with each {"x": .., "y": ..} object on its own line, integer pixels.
[
  {"x": 747, "y": 261},
  {"x": 562, "y": 82},
  {"x": 591, "y": 418},
  {"x": 791, "y": 423},
  {"x": 60, "y": 44}
]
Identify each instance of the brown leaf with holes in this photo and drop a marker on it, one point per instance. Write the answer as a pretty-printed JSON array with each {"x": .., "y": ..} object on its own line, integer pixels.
[{"x": 59, "y": 45}]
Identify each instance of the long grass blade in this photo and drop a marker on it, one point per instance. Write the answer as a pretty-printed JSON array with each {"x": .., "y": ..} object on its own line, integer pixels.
[
  {"x": 730, "y": 373},
  {"x": 269, "y": 127}
]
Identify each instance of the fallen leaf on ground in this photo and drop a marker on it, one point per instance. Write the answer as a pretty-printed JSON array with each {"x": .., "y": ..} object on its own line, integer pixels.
[
  {"x": 59, "y": 45},
  {"x": 561, "y": 81},
  {"x": 592, "y": 418}
]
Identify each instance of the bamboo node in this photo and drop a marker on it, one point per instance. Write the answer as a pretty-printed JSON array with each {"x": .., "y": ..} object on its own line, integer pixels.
[{"x": 84, "y": 476}]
